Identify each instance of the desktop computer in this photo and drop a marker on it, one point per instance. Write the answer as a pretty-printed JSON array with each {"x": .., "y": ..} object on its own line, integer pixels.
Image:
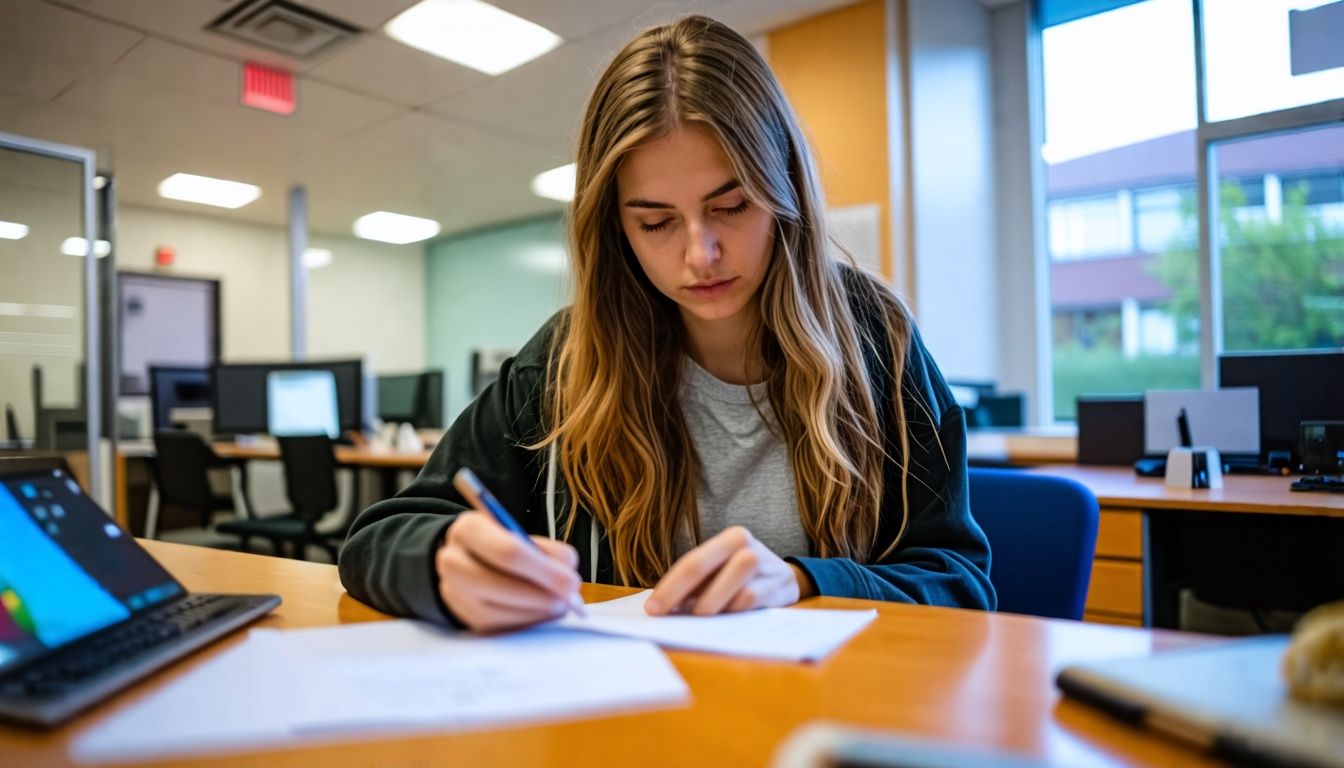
[
  {"x": 1294, "y": 387},
  {"x": 240, "y": 392}
]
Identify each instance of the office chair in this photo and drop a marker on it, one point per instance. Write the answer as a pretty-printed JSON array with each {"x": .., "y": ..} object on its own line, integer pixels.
[
  {"x": 182, "y": 461},
  {"x": 309, "y": 464},
  {"x": 1042, "y": 533}
]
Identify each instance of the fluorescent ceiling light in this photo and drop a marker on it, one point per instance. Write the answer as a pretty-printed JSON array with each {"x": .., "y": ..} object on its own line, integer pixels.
[
  {"x": 12, "y": 230},
  {"x": 77, "y": 246},
  {"x": 394, "y": 227},
  {"x": 208, "y": 191},
  {"x": 472, "y": 34},
  {"x": 556, "y": 184},
  {"x": 316, "y": 258}
]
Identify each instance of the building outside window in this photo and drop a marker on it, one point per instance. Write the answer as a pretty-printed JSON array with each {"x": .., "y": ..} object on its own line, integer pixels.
[{"x": 1123, "y": 138}]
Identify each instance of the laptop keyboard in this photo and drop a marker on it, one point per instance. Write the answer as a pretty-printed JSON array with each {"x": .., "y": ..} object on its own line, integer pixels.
[{"x": 117, "y": 646}]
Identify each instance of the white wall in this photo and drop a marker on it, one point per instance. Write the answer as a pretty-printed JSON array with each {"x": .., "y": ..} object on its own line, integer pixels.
[
  {"x": 370, "y": 300},
  {"x": 952, "y": 148}
]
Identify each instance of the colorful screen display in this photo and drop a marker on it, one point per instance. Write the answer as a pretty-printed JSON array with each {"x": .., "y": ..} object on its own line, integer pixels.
[{"x": 66, "y": 569}]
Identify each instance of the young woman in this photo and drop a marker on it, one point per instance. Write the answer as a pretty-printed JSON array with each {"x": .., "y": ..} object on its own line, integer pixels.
[{"x": 726, "y": 412}]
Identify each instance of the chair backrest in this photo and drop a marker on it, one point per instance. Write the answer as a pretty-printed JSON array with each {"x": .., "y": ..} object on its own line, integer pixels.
[
  {"x": 310, "y": 474},
  {"x": 181, "y": 459},
  {"x": 1042, "y": 533}
]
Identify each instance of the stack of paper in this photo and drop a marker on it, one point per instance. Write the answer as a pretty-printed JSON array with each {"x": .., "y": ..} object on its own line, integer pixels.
[
  {"x": 351, "y": 681},
  {"x": 303, "y": 685}
]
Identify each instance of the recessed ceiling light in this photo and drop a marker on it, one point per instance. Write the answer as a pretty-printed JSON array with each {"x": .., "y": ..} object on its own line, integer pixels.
[
  {"x": 12, "y": 230},
  {"x": 317, "y": 258},
  {"x": 556, "y": 184},
  {"x": 207, "y": 191},
  {"x": 78, "y": 246},
  {"x": 396, "y": 228},
  {"x": 472, "y": 33}
]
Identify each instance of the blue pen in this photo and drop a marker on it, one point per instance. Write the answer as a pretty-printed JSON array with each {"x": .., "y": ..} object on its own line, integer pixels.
[{"x": 471, "y": 487}]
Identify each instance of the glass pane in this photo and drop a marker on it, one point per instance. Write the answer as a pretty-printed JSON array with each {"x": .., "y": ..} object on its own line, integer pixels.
[
  {"x": 41, "y": 305},
  {"x": 1121, "y": 216},
  {"x": 1282, "y": 251},
  {"x": 1271, "y": 54}
]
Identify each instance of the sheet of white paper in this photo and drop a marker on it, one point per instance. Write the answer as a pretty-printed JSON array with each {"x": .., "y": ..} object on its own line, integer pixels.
[
  {"x": 788, "y": 634},
  {"x": 338, "y": 682}
]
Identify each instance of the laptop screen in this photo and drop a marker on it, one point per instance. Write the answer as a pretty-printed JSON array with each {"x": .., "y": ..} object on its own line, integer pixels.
[{"x": 66, "y": 569}]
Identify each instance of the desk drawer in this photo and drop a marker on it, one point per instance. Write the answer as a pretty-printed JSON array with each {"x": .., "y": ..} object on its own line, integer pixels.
[
  {"x": 1106, "y": 618},
  {"x": 1120, "y": 534},
  {"x": 1117, "y": 588}
]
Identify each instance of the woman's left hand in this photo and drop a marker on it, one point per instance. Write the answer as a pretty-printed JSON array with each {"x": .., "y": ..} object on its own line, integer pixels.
[{"x": 730, "y": 572}]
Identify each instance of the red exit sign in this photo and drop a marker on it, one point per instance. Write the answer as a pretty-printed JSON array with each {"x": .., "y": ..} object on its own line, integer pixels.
[{"x": 267, "y": 88}]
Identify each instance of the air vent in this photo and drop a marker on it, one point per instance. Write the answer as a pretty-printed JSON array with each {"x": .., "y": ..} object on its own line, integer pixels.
[{"x": 283, "y": 26}]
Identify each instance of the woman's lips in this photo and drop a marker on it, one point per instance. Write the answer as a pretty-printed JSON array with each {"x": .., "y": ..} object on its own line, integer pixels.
[{"x": 711, "y": 289}]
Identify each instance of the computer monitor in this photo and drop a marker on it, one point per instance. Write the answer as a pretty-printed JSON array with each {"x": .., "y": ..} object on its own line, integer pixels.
[
  {"x": 1294, "y": 387},
  {"x": 416, "y": 398},
  {"x": 176, "y": 387},
  {"x": 240, "y": 392},
  {"x": 302, "y": 402},
  {"x": 397, "y": 397}
]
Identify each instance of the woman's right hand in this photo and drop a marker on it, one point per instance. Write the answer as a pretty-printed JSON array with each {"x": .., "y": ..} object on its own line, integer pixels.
[{"x": 492, "y": 580}]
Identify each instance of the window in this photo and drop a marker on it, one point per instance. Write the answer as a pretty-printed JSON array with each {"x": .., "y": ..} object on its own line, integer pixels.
[
  {"x": 1165, "y": 218},
  {"x": 1123, "y": 139},
  {"x": 1120, "y": 175},
  {"x": 1264, "y": 55},
  {"x": 1090, "y": 226},
  {"x": 1282, "y": 271}
]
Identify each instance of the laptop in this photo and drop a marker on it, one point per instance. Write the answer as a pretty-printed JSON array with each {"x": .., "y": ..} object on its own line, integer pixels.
[
  {"x": 84, "y": 610},
  {"x": 1226, "y": 697}
]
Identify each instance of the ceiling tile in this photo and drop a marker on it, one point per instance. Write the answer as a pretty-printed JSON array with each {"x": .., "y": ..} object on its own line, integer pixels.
[
  {"x": 376, "y": 65},
  {"x": 170, "y": 104},
  {"x": 164, "y": 63},
  {"x": 542, "y": 99},
  {"x": 365, "y": 14},
  {"x": 184, "y": 22},
  {"x": 754, "y": 17},
  {"x": 39, "y": 74},
  {"x": 572, "y": 19},
  {"x": 612, "y": 37},
  {"x": 64, "y": 32}
]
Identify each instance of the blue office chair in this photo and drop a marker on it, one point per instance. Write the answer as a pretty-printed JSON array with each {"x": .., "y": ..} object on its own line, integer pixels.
[{"x": 1042, "y": 532}]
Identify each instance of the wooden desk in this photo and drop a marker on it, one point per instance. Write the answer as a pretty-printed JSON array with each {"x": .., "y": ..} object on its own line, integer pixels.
[
  {"x": 1029, "y": 446},
  {"x": 346, "y": 455},
  {"x": 387, "y": 462},
  {"x": 964, "y": 676},
  {"x": 1148, "y": 530}
]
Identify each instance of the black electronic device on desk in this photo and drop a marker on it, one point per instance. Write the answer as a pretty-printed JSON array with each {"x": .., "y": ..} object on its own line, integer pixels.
[
  {"x": 1327, "y": 483},
  {"x": 1295, "y": 387},
  {"x": 85, "y": 610},
  {"x": 1321, "y": 446}
]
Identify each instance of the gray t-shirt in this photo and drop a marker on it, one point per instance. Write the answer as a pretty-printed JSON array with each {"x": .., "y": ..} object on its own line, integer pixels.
[{"x": 746, "y": 478}]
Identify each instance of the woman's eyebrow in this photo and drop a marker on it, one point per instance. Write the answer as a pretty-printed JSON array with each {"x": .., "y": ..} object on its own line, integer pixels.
[{"x": 728, "y": 186}]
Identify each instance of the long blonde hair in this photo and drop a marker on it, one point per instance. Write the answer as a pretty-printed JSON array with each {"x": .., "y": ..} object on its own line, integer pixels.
[{"x": 614, "y": 413}]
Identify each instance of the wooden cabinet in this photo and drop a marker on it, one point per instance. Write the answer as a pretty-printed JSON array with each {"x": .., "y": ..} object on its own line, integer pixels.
[{"x": 1115, "y": 595}]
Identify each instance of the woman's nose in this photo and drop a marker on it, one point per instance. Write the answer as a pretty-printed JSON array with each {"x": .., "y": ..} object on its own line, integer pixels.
[{"x": 703, "y": 248}]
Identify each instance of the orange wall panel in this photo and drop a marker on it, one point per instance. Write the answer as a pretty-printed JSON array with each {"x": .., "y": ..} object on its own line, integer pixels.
[{"x": 833, "y": 68}]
